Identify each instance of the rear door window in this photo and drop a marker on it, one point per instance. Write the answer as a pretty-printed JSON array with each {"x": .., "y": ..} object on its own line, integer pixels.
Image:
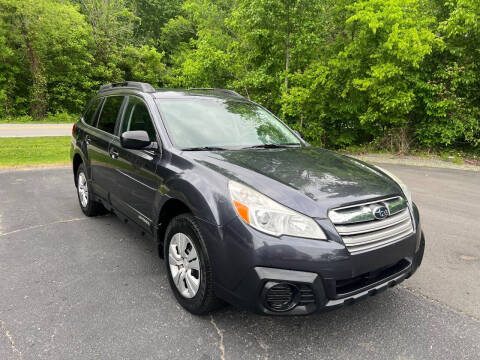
[
  {"x": 109, "y": 114},
  {"x": 90, "y": 116},
  {"x": 137, "y": 117}
]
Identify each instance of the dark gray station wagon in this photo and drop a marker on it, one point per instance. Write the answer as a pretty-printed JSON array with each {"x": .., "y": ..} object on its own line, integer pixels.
[{"x": 240, "y": 207}]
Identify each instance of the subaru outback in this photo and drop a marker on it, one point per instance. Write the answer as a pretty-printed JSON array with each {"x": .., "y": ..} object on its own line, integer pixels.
[{"x": 240, "y": 207}]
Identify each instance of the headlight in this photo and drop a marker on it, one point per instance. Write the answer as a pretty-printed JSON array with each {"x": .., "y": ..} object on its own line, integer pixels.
[
  {"x": 270, "y": 217},
  {"x": 400, "y": 183}
]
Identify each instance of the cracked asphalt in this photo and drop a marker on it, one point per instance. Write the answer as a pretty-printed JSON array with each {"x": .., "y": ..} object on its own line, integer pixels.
[{"x": 73, "y": 287}]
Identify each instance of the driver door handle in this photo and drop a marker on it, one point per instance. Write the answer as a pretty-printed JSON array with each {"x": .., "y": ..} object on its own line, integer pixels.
[
  {"x": 113, "y": 153},
  {"x": 87, "y": 139}
]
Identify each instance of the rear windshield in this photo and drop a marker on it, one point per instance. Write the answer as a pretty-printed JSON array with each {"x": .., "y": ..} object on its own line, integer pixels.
[{"x": 222, "y": 123}]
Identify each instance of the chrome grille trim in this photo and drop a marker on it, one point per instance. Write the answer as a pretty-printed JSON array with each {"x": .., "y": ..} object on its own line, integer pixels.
[
  {"x": 360, "y": 236},
  {"x": 377, "y": 235},
  {"x": 373, "y": 225}
]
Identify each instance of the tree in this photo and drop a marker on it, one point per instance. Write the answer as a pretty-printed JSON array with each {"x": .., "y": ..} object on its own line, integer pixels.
[
  {"x": 451, "y": 92},
  {"x": 365, "y": 87},
  {"x": 53, "y": 38},
  {"x": 116, "y": 51},
  {"x": 153, "y": 15}
]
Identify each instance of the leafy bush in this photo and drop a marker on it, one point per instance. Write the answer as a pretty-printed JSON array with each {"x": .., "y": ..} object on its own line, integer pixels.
[{"x": 393, "y": 74}]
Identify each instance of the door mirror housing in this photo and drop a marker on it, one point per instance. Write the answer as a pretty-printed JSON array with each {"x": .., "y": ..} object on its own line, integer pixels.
[{"x": 137, "y": 139}]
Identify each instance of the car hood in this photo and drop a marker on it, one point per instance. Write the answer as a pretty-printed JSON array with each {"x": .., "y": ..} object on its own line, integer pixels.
[{"x": 293, "y": 176}]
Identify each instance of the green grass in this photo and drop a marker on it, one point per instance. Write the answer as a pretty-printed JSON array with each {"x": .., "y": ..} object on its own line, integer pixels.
[
  {"x": 34, "y": 151},
  {"x": 60, "y": 118}
]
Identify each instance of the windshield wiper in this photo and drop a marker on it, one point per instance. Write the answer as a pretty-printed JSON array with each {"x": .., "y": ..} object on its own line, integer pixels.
[
  {"x": 271, "y": 146},
  {"x": 204, "y": 148}
]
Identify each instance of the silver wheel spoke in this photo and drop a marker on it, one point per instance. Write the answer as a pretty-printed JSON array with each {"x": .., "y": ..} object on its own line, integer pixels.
[
  {"x": 174, "y": 261},
  {"x": 192, "y": 283},
  {"x": 195, "y": 265},
  {"x": 192, "y": 255},
  {"x": 183, "y": 244},
  {"x": 183, "y": 286},
  {"x": 177, "y": 277}
]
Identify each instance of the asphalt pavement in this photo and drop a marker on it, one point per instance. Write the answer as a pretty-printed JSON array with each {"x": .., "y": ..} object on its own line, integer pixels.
[
  {"x": 73, "y": 287},
  {"x": 35, "y": 130}
]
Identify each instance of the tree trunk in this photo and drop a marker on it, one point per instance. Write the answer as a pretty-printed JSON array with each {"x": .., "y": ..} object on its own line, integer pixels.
[
  {"x": 38, "y": 103},
  {"x": 287, "y": 60},
  {"x": 287, "y": 45}
]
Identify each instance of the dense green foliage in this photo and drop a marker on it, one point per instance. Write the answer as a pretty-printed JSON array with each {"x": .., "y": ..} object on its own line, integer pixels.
[{"x": 396, "y": 73}]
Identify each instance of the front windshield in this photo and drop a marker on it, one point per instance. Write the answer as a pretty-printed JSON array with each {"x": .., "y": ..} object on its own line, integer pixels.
[{"x": 196, "y": 123}]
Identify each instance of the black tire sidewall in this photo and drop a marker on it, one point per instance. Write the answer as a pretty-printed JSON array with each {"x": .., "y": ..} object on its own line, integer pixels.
[{"x": 186, "y": 224}]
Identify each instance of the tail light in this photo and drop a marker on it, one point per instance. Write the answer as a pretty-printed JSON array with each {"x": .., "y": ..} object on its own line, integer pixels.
[{"x": 73, "y": 128}]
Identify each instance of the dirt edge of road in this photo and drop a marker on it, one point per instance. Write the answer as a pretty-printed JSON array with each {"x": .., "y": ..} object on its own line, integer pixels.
[
  {"x": 34, "y": 167},
  {"x": 414, "y": 161},
  {"x": 375, "y": 158}
]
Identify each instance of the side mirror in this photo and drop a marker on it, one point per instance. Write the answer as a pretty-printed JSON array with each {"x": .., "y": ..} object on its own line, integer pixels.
[{"x": 137, "y": 139}]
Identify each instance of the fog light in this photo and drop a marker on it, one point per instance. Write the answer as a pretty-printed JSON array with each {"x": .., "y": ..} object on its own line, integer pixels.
[{"x": 280, "y": 296}]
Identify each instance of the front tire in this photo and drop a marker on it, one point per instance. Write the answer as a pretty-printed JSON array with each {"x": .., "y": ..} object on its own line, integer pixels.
[
  {"x": 188, "y": 266},
  {"x": 85, "y": 194}
]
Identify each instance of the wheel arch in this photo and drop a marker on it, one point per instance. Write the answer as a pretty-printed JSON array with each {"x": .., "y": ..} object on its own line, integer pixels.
[
  {"x": 170, "y": 209},
  {"x": 77, "y": 160}
]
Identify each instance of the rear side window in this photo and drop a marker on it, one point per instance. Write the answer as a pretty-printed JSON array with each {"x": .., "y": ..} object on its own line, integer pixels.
[
  {"x": 137, "y": 117},
  {"x": 109, "y": 114},
  {"x": 90, "y": 116}
]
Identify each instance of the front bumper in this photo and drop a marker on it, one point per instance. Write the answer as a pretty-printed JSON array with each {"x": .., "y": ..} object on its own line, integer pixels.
[
  {"x": 247, "y": 263},
  {"x": 251, "y": 293}
]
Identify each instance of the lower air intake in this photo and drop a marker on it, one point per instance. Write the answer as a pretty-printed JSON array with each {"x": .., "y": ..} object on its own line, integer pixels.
[{"x": 280, "y": 296}]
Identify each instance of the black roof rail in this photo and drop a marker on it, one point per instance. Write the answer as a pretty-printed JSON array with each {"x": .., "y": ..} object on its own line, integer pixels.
[
  {"x": 222, "y": 91},
  {"x": 145, "y": 87}
]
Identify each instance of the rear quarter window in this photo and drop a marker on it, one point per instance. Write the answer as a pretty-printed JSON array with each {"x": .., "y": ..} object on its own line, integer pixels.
[
  {"x": 109, "y": 114},
  {"x": 90, "y": 116}
]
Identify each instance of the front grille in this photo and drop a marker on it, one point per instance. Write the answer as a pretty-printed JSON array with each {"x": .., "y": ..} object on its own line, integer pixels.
[
  {"x": 360, "y": 230},
  {"x": 347, "y": 286}
]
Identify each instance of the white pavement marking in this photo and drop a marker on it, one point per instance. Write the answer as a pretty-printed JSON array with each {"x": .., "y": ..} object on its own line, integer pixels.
[
  {"x": 42, "y": 225},
  {"x": 35, "y": 130}
]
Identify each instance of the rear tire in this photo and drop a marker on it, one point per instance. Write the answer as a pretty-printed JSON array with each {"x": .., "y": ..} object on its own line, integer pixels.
[
  {"x": 188, "y": 266},
  {"x": 85, "y": 194}
]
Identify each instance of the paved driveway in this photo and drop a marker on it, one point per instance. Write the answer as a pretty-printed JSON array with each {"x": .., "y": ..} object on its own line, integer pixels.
[
  {"x": 35, "y": 130},
  {"x": 93, "y": 288}
]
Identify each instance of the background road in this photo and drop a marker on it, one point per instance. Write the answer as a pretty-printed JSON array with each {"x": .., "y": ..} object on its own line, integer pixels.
[
  {"x": 73, "y": 287},
  {"x": 35, "y": 130}
]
